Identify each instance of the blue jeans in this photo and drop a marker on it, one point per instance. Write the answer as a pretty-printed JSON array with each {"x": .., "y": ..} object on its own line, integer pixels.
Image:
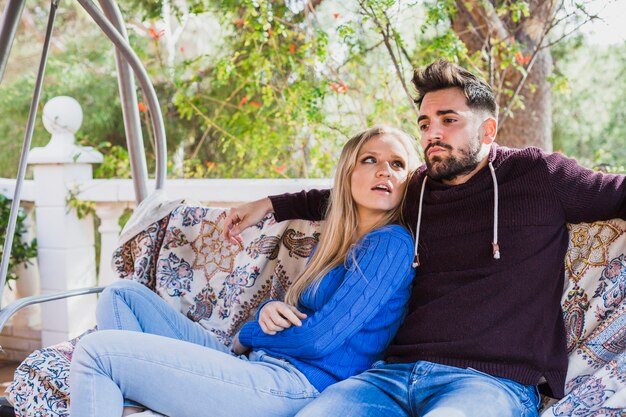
[
  {"x": 424, "y": 389},
  {"x": 171, "y": 365}
]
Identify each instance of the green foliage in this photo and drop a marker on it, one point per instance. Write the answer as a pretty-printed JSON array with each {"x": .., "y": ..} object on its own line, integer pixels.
[
  {"x": 588, "y": 101},
  {"x": 21, "y": 250},
  {"x": 256, "y": 89},
  {"x": 83, "y": 208}
]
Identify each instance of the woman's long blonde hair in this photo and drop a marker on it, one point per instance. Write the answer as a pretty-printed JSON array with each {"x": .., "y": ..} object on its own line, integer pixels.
[{"x": 339, "y": 230}]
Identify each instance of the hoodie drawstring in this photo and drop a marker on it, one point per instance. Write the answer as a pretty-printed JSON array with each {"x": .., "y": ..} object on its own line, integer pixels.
[
  {"x": 416, "y": 257},
  {"x": 495, "y": 245}
]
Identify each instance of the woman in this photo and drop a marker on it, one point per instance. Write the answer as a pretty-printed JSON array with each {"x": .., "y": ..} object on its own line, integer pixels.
[{"x": 337, "y": 318}]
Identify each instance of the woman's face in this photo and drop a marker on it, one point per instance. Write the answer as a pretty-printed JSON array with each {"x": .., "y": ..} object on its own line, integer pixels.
[{"x": 379, "y": 177}]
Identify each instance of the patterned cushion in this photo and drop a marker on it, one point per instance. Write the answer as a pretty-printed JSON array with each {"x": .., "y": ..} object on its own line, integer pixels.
[
  {"x": 594, "y": 309},
  {"x": 183, "y": 258}
]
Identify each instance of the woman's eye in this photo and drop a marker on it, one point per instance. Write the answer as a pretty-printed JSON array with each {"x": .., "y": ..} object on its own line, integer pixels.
[
  {"x": 368, "y": 160},
  {"x": 398, "y": 164}
]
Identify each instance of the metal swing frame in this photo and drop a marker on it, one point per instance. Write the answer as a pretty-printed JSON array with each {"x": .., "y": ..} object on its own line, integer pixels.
[{"x": 108, "y": 17}]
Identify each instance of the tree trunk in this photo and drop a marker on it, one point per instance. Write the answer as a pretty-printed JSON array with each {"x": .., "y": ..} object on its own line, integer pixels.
[{"x": 478, "y": 26}]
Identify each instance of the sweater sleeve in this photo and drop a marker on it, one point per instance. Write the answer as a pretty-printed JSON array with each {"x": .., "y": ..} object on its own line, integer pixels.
[
  {"x": 305, "y": 205},
  {"x": 383, "y": 267},
  {"x": 586, "y": 195}
]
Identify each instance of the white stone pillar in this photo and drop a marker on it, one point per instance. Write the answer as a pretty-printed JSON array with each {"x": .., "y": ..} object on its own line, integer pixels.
[
  {"x": 65, "y": 243},
  {"x": 109, "y": 215}
]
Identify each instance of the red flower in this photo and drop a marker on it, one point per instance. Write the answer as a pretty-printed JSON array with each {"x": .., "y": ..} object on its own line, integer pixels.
[
  {"x": 142, "y": 107},
  {"x": 239, "y": 22},
  {"x": 280, "y": 168},
  {"x": 156, "y": 35},
  {"x": 210, "y": 165},
  {"x": 182, "y": 50},
  {"x": 336, "y": 15},
  {"x": 255, "y": 104},
  {"x": 292, "y": 48},
  {"x": 522, "y": 59},
  {"x": 339, "y": 88},
  {"x": 243, "y": 100}
]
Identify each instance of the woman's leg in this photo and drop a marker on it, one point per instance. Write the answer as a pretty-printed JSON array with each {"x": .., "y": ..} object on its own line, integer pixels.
[
  {"x": 178, "y": 378},
  {"x": 129, "y": 305}
]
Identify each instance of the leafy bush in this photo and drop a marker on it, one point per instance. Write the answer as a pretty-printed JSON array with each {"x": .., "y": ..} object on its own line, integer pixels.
[{"x": 21, "y": 251}]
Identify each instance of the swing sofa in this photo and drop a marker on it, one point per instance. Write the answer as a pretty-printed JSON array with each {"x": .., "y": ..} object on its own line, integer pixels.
[{"x": 176, "y": 249}]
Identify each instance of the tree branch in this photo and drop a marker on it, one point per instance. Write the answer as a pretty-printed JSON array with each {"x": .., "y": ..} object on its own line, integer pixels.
[{"x": 392, "y": 55}]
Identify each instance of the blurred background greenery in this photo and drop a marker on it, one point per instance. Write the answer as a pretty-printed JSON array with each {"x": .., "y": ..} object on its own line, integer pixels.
[{"x": 263, "y": 89}]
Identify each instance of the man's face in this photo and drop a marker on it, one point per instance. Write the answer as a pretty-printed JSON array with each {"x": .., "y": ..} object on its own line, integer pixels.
[{"x": 450, "y": 136}]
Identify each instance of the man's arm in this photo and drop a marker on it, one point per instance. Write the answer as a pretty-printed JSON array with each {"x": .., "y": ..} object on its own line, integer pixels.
[
  {"x": 586, "y": 195},
  {"x": 307, "y": 205}
]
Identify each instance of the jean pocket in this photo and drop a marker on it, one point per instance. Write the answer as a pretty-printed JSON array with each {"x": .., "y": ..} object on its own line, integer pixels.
[{"x": 524, "y": 393}]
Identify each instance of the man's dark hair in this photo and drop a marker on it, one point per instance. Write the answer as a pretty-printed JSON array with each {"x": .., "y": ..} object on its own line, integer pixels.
[{"x": 441, "y": 74}]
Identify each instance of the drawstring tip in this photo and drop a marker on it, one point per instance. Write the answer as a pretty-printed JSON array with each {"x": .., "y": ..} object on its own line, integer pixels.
[
  {"x": 416, "y": 260},
  {"x": 496, "y": 251}
]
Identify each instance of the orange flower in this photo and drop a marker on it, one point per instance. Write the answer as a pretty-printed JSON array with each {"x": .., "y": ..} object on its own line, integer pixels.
[
  {"x": 339, "y": 88},
  {"x": 156, "y": 35},
  {"x": 522, "y": 59},
  {"x": 255, "y": 104},
  {"x": 142, "y": 107},
  {"x": 243, "y": 100},
  {"x": 280, "y": 168},
  {"x": 336, "y": 15},
  {"x": 210, "y": 165},
  {"x": 270, "y": 32},
  {"x": 239, "y": 22},
  {"x": 292, "y": 48}
]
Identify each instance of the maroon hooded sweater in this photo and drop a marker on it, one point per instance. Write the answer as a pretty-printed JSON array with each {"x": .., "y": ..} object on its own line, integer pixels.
[{"x": 467, "y": 309}]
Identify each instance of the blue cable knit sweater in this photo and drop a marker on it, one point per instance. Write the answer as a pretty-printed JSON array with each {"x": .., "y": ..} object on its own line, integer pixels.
[{"x": 352, "y": 315}]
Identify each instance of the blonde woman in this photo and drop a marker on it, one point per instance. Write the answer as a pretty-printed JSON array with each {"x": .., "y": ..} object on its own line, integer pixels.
[{"x": 336, "y": 320}]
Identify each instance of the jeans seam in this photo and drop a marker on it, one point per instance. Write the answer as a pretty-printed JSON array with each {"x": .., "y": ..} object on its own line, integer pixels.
[{"x": 269, "y": 391}]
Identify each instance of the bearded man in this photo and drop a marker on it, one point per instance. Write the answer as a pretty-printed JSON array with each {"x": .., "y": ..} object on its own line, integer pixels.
[{"x": 484, "y": 324}]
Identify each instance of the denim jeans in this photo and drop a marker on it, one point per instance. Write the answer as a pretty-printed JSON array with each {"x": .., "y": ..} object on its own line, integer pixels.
[
  {"x": 424, "y": 389},
  {"x": 171, "y": 365}
]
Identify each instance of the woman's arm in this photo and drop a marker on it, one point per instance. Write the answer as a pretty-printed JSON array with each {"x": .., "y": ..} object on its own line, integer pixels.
[{"x": 384, "y": 269}]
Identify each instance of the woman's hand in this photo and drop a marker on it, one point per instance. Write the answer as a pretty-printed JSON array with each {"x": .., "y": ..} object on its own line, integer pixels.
[
  {"x": 278, "y": 316},
  {"x": 237, "y": 348}
]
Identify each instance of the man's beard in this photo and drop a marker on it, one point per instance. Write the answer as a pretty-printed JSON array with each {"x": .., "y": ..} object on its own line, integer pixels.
[{"x": 442, "y": 168}]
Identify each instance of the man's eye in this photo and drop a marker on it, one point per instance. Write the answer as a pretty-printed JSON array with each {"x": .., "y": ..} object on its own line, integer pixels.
[
  {"x": 424, "y": 127},
  {"x": 449, "y": 120}
]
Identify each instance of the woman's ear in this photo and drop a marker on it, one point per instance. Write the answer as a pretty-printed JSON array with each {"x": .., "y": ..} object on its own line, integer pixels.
[{"x": 489, "y": 131}]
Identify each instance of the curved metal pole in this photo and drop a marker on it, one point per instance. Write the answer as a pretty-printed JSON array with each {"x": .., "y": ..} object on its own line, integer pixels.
[
  {"x": 144, "y": 82},
  {"x": 130, "y": 112},
  {"x": 28, "y": 136},
  {"x": 8, "y": 27},
  {"x": 7, "y": 312}
]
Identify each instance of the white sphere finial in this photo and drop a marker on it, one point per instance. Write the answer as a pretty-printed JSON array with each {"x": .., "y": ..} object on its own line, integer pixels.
[{"x": 62, "y": 115}]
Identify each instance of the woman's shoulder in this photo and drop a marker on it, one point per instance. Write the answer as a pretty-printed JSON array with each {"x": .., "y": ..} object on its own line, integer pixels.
[{"x": 390, "y": 232}]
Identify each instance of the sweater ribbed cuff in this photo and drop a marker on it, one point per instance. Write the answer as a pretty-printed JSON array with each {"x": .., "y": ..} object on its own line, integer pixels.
[{"x": 280, "y": 204}]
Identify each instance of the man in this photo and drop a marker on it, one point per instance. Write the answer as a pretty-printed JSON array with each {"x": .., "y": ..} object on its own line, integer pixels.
[{"x": 484, "y": 323}]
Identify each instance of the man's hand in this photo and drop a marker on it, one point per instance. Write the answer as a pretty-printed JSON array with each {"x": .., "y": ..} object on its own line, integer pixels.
[
  {"x": 237, "y": 348},
  {"x": 277, "y": 316},
  {"x": 244, "y": 216}
]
